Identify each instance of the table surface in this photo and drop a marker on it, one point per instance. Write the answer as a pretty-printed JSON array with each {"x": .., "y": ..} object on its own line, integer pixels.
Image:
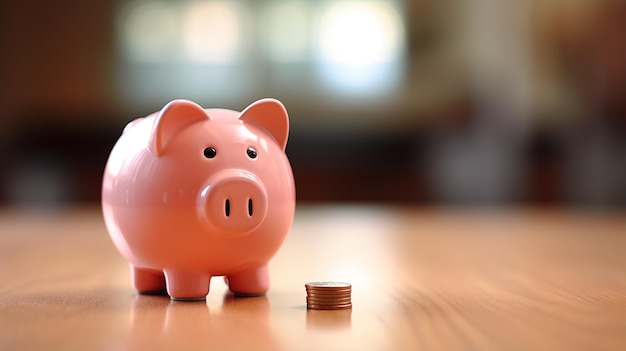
[{"x": 423, "y": 279}]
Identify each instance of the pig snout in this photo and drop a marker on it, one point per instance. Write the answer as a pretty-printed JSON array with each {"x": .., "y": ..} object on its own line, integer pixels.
[{"x": 235, "y": 201}]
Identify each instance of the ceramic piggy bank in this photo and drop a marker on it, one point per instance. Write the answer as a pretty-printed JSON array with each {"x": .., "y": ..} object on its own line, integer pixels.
[{"x": 190, "y": 193}]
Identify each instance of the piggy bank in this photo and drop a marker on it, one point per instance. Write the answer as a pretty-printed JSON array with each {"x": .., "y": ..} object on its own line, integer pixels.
[{"x": 191, "y": 193}]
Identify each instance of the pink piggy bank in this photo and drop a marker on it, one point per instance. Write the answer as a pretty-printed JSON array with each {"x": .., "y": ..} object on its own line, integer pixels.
[{"x": 190, "y": 193}]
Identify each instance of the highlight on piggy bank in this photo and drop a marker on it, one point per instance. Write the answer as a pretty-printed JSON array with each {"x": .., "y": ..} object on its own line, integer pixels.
[{"x": 190, "y": 193}]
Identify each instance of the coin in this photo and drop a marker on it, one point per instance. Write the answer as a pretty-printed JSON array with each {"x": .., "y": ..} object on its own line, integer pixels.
[
  {"x": 328, "y": 303},
  {"x": 328, "y": 285},
  {"x": 321, "y": 297},
  {"x": 328, "y": 298},
  {"x": 324, "y": 298},
  {"x": 328, "y": 295},
  {"x": 330, "y": 291},
  {"x": 329, "y": 307}
]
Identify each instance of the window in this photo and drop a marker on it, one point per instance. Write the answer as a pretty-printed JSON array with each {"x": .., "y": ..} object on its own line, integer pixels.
[{"x": 228, "y": 50}]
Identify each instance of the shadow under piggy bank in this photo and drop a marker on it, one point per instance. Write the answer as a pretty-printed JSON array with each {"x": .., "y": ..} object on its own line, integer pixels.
[{"x": 157, "y": 323}]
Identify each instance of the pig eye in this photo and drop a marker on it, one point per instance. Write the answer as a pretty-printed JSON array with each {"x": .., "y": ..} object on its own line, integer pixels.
[
  {"x": 210, "y": 152},
  {"x": 251, "y": 152}
]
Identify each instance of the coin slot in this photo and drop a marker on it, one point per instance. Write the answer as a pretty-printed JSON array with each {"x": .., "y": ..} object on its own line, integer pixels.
[
  {"x": 227, "y": 208},
  {"x": 250, "y": 207}
]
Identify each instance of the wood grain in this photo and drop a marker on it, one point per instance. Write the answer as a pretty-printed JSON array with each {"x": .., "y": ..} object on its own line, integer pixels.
[{"x": 423, "y": 279}]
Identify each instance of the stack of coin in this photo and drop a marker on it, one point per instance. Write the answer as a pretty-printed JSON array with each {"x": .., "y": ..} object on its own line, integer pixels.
[{"x": 328, "y": 296}]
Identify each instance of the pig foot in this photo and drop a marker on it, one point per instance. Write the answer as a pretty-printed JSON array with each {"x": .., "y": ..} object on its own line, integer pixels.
[
  {"x": 147, "y": 281},
  {"x": 188, "y": 286},
  {"x": 252, "y": 282}
]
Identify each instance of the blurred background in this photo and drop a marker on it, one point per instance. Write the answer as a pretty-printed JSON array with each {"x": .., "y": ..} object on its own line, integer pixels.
[{"x": 444, "y": 102}]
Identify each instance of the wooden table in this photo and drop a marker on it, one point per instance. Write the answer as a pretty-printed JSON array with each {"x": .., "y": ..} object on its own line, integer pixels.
[{"x": 423, "y": 279}]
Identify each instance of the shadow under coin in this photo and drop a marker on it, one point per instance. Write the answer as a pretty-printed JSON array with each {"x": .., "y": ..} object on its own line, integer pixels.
[{"x": 157, "y": 323}]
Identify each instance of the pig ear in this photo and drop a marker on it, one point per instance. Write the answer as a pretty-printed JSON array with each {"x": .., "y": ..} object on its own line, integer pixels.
[
  {"x": 271, "y": 115},
  {"x": 174, "y": 116}
]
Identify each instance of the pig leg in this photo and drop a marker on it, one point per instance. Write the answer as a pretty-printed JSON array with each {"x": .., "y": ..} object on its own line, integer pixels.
[
  {"x": 185, "y": 285},
  {"x": 251, "y": 282},
  {"x": 147, "y": 281}
]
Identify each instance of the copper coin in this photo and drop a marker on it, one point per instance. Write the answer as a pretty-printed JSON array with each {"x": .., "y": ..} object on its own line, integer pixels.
[
  {"x": 328, "y": 286},
  {"x": 328, "y": 297},
  {"x": 329, "y": 291},
  {"x": 329, "y": 307},
  {"x": 324, "y": 298},
  {"x": 329, "y": 303}
]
